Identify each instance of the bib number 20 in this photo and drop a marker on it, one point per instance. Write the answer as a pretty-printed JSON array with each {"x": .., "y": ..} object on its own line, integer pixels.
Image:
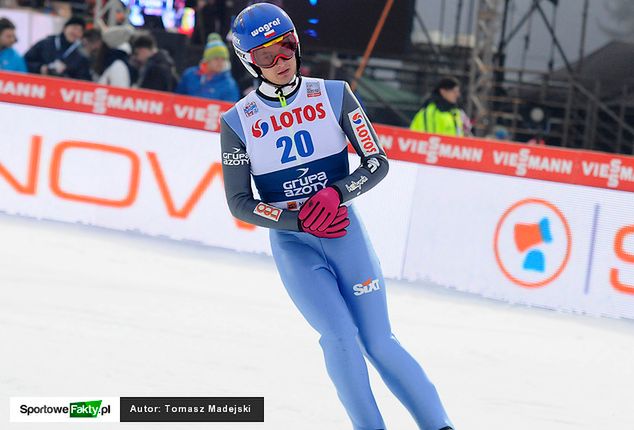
[{"x": 302, "y": 142}]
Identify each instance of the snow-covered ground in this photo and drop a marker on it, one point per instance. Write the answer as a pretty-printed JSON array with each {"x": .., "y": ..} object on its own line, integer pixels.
[{"x": 86, "y": 311}]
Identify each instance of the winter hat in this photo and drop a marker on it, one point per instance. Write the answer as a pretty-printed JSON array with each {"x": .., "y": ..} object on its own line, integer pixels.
[
  {"x": 76, "y": 20},
  {"x": 215, "y": 48},
  {"x": 5, "y": 24},
  {"x": 117, "y": 36}
]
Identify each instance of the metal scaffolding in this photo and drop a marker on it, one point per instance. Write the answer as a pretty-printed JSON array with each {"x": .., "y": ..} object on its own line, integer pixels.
[{"x": 481, "y": 76}]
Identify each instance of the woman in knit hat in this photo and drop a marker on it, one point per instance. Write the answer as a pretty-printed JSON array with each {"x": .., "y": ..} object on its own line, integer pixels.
[{"x": 211, "y": 79}]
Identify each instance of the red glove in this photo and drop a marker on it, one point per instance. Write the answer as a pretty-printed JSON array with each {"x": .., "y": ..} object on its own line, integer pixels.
[
  {"x": 319, "y": 211},
  {"x": 336, "y": 229}
]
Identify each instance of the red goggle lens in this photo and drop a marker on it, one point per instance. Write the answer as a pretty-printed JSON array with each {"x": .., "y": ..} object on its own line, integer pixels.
[{"x": 267, "y": 56}]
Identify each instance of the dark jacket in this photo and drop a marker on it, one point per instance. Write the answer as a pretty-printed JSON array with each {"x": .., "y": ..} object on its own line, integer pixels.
[
  {"x": 56, "y": 47},
  {"x": 158, "y": 73}
]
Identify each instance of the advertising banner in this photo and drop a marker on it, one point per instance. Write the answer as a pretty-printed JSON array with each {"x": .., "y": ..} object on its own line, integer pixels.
[
  {"x": 154, "y": 179},
  {"x": 524, "y": 241},
  {"x": 538, "y": 225}
]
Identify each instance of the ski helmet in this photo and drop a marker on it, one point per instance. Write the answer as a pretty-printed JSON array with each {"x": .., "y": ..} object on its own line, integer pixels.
[{"x": 259, "y": 25}]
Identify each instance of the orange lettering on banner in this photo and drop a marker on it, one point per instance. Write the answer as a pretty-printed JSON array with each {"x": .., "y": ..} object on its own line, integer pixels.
[
  {"x": 244, "y": 225},
  {"x": 56, "y": 167},
  {"x": 205, "y": 182},
  {"x": 215, "y": 169},
  {"x": 31, "y": 180},
  {"x": 621, "y": 253}
]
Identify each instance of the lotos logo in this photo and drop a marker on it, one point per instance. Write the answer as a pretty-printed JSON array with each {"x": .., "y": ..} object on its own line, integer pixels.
[
  {"x": 362, "y": 133},
  {"x": 260, "y": 128},
  {"x": 298, "y": 115},
  {"x": 267, "y": 29},
  {"x": 366, "y": 287},
  {"x": 532, "y": 243}
]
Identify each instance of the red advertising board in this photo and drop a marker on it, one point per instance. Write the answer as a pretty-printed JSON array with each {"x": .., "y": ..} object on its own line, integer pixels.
[{"x": 588, "y": 168}]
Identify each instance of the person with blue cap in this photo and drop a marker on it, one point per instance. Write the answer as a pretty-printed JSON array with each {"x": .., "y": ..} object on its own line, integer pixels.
[
  {"x": 10, "y": 60},
  {"x": 290, "y": 137},
  {"x": 211, "y": 79}
]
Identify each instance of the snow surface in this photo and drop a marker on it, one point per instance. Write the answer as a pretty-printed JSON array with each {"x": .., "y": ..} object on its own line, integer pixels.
[{"x": 87, "y": 311}]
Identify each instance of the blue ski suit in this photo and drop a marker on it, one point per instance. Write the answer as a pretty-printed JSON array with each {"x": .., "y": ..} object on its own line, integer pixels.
[{"x": 291, "y": 152}]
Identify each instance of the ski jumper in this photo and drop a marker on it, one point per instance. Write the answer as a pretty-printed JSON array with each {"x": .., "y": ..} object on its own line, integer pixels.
[{"x": 291, "y": 152}]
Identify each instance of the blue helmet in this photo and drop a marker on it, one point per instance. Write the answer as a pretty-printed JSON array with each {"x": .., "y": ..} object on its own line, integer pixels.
[{"x": 255, "y": 26}]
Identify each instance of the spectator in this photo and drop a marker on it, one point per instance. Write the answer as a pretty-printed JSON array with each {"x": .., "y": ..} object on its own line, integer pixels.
[
  {"x": 211, "y": 79},
  {"x": 59, "y": 55},
  {"x": 109, "y": 54},
  {"x": 156, "y": 67},
  {"x": 440, "y": 114},
  {"x": 9, "y": 58}
]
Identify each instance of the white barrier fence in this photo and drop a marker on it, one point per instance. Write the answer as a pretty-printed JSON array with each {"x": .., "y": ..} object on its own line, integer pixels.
[{"x": 522, "y": 240}]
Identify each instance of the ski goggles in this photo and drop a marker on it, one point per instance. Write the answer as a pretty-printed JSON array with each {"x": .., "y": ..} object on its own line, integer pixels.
[{"x": 266, "y": 56}]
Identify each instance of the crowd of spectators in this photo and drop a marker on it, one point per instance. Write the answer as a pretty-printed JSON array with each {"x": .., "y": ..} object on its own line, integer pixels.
[
  {"x": 120, "y": 56},
  {"x": 123, "y": 56}
]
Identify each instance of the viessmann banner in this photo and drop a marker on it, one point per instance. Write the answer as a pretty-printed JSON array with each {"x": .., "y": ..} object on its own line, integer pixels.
[{"x": 536, "y": 225}]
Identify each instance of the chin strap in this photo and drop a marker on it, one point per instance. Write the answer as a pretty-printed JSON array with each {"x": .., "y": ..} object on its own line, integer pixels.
[{"x": 280, "y": 92}]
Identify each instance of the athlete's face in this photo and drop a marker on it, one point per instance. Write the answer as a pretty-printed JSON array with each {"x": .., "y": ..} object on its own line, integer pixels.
[{"x": 282, "y": 72}]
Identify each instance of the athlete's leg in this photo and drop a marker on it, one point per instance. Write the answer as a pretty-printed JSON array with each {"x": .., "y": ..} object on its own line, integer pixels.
[
  {"x": 363, "y": 288},
  {"x": 313, "y": 288}
]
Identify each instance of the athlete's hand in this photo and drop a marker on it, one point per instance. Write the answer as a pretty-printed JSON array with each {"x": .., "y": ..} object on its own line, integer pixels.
[
  {"x": 319, "y": 211},
  {"x": 334, "y": 230}
]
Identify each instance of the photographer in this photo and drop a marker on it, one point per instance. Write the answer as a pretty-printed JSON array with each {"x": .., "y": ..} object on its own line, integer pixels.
[{"x": 60, "y": 54}]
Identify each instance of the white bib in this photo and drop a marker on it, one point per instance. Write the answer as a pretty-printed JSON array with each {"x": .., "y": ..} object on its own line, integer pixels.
[{"x": 294, "y": 150}]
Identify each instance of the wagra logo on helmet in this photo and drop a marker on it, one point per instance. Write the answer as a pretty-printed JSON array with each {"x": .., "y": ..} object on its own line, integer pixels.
[
  {"x": 258, "y": 26},
  {"x": 267, "y": 28}
]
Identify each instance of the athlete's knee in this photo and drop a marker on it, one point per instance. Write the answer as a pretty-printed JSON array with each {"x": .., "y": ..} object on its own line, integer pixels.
[
  {"x": 376, "y": 348},
  {"x": 343, "y": 338}
]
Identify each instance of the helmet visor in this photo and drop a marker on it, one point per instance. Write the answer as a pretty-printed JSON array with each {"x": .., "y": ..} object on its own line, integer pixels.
[{"x": 266, "y": 56}]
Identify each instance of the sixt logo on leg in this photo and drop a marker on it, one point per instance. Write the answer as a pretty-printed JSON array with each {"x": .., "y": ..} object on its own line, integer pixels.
[
  {"x": 305, "y": 184},
  {"x": 362, "y": 132},
  {"x": 266, "y": 28},
  {"x": 87, "y": 409},
  {"x": 366, "y": 287}
]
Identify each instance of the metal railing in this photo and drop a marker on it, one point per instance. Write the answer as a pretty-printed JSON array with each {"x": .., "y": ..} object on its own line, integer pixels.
[{"x": 578, "y": 115}]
